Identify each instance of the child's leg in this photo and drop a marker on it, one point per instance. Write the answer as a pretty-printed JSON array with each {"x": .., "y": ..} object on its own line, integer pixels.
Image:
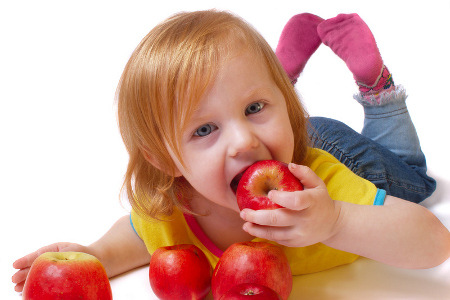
[
  {"x": 298, "y": 41},
  {"x": 391, "y": 126},
  {"x": 370, "y": 160},
  {"x": 387, "y": 121}
]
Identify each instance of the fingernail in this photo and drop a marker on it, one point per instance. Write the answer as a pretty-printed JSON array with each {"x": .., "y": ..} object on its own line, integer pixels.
[
  {"x": 292, "y": 166},
  {"x": 269, "y": 195},
  {"x": 242, "y": 214}
]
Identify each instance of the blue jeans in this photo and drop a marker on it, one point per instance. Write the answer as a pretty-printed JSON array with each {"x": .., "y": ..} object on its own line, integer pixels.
[{"x": 387, "y": 152}]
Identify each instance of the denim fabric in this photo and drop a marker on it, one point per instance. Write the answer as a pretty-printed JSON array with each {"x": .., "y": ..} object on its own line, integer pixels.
[{"x": 387, "y": 152}]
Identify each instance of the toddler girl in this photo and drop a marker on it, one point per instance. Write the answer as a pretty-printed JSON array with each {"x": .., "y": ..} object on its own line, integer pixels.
[{"x": 203, "y": 97}]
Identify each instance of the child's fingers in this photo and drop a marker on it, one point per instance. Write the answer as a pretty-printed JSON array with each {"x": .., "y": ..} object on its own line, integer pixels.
[
  {"x": 268, "y": 217},
  {"x": 20, "y": 276},
  {"x": 297, "y": 201},
  {"x": 307, "y": 177},
  {"x": 267, "y": 232},
  {"x": 23, "y": 264},
  {"x": 27, "y": 260},
  {"x": 19, "y": 287}
]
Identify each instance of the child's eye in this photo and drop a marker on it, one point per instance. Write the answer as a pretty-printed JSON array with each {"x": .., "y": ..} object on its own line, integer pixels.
[
  {"x": 254, "y": 108},
  {"x": 204, "y": 130}
]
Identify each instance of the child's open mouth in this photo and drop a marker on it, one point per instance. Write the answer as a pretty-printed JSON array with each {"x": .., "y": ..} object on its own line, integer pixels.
[{"x": 235, "y": 182}]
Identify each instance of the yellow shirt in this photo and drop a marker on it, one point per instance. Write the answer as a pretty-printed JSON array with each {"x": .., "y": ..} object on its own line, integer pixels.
[{"x": 342, "y": 185}]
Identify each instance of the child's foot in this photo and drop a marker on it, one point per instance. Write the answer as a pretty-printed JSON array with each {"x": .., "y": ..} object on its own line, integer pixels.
[
  {"x": 298, "y": 41},
  {"x": 351, "y": 39}
]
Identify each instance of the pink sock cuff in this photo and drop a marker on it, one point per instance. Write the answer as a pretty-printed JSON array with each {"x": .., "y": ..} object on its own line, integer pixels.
[
  {"x": 383, "y": 82},
  {"x": 392, "y": 94}
]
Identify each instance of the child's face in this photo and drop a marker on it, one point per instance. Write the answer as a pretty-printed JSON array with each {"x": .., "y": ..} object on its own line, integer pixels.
[{"x": 240, "y": 120}]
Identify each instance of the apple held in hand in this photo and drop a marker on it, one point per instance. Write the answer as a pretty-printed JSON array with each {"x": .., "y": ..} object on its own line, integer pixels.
[
  {"x": 251, "y": 291},
  {"x": 67, "y": 275},
  {"x": 262, "y": 177},
  {"x": 180, "y": 272},
  {"x": 252, "y": 262}
]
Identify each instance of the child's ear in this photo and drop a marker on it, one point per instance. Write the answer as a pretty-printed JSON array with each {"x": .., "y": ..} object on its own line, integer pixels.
[{"x": 148, "y": 157}]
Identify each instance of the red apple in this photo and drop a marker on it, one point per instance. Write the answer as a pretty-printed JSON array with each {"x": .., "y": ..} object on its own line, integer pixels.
[
  {"x": 180, "y": 272},
  {"x": 67, "y": 275},
  {"x": 251, "y": 291},
  {"x": 262, "y": 177},
  {"x": 252, "y": 262}
]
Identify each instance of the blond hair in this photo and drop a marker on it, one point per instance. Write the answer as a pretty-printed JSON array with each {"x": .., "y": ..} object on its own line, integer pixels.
[{"x": 162, "y": 83}]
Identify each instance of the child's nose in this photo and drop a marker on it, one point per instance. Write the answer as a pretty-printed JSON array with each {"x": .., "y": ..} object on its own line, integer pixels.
[{"x": 242, "y": 139}]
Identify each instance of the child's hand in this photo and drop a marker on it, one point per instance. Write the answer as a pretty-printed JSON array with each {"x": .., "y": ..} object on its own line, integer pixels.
[
  {"x": 23, "y": 264},
  {"x": 310, "y": 216}
]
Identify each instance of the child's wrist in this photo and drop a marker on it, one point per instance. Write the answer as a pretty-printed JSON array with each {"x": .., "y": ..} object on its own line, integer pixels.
[
  {"x": 338, "y": 223},
  {"x": 99, "y": 252}
]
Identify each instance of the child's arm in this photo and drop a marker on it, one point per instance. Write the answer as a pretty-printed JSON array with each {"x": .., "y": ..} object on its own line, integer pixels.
[
  {"x": 399, "y": 233},
  {"x": 119, "y": 250}
]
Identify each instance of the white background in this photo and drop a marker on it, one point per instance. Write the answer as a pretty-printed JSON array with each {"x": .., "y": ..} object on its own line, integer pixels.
[{"x": 61, "y": 156}]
